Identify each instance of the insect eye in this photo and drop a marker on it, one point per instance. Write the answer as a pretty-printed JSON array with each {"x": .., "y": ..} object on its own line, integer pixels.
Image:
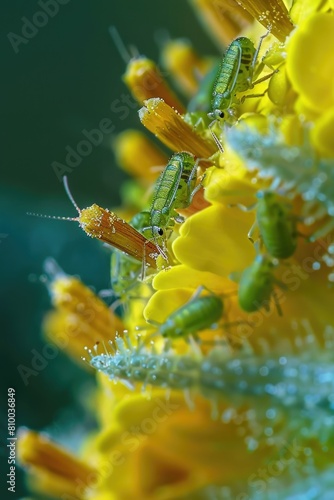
[
  {"x": 160, "y": 231},
  {"x": 222, "y": 114}
]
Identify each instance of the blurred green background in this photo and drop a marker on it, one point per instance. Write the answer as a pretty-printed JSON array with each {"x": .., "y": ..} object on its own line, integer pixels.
[{"x": 61, "y": 82}]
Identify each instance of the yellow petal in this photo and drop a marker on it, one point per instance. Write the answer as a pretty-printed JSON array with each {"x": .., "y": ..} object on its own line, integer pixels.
[
  {"x": 301, "y": 10},
  {"x": 53, "y": 469},
  {"x": 191, "y": 278},
  {"x": 279, "y": 87},
  {"x": 323, "y": 133},
  {"x": 310, "y": 62},
  {"x": 229, "y": 185},
  {"x": 215, "y": 240},
  {"x": 291, "y": 128},
  {"x": 305, "y": 300},
  {"x": 164, "y": 302},
  {"x": 167, "y": 449}
]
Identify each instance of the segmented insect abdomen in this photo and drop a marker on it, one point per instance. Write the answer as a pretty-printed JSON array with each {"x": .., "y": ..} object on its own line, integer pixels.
[
  {"x": 246, "y": 59},
  {"x": 228, "y": 67},
  {"x": 163, "y": 197},
  {"x": 255, "y": 286},
  {"x": 280, "y": 240},
  {"x": 124, "y": 272},
  {"x": 186, "y": 185},
  {"x": 234, "y": 73},
  {"x": 195, "y": 316},
  {"x": 277, "y": 227}
]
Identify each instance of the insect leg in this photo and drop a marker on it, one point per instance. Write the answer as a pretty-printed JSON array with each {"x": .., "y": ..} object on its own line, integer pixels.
[
  {"x": 242, "y": 100},
  {"x": 256, "y": 55},
  {"x": 243, "y": 207},
  {"x": 325, "y": 229},
  {"x": 277, "y": 304},
  {"x": 265, "y": 77},
  {"x": 194, "y": 341},
  {"x": 251, "y": 232},
  {"x": 198, "y": 292},
  {"x": 215, "y": 137},
  {"x": 178, "y": 218}
]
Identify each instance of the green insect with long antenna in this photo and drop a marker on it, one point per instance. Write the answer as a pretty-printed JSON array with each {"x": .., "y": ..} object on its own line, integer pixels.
[{"x": 174, "y": 190}]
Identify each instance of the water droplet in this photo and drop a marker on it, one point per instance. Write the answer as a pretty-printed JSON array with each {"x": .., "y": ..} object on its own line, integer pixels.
[
  {"x": 264, "y": 371},
  {"x": 252, "y": 444},
  {"x": 271, "y": 413}
]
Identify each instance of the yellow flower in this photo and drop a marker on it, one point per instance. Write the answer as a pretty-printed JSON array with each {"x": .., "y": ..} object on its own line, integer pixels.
[
  {"x": 52, "y": 469},
  {"x": 79, "y": 318},
  {"x": 313, "y": 41},
  {"x": 226, "y": 404}
]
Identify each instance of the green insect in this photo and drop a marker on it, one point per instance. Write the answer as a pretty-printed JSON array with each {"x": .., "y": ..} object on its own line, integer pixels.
[
  {"x": 124, "y": 273},
  {"x": 199, "y": 313},
  {"x": 199, "y": 121},
  {"x": 276, "y": 224},
  {"x": 174, "y": 190},
  {"x": 256, "y": 285},
  {"x": 125, "y": 270},
  {"x": 235, "y": 75}
]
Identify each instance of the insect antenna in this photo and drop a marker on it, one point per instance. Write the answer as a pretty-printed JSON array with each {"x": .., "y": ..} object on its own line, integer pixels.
[
  {"x": 162, "y": 37},
  {"x": 125, "y": 53},
  {"x": 75, "y": 219},
  {"x": 69, "y": 194},
  {"x": 57, "y": 217}
]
